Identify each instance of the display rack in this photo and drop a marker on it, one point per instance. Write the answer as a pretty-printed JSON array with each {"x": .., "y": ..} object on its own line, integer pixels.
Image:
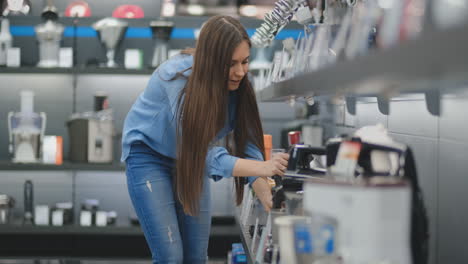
[
  {"x": 88, "y": 70},
  {"x": 246, "y": 240},
  {"x": 423, "y": 65},
  {"x": 218, "y": 230},
  {"x": 113, "y": 242},
  {"x": 66, "y": 166}
]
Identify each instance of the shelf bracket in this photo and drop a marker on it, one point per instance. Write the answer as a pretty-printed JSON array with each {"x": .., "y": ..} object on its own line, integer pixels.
[
  {"x": 433, "y": 101},
  {"x": 351, "y": 105},
  {"x": 384, "y": 105}
]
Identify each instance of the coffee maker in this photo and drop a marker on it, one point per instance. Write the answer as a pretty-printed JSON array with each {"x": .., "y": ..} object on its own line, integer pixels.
[
  {"x": 49, "y": 35},
  {"x": 26, "y": 131}
]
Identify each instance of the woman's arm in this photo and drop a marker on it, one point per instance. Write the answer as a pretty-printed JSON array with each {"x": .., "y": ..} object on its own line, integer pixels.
[{"x": 275, "y": 166}]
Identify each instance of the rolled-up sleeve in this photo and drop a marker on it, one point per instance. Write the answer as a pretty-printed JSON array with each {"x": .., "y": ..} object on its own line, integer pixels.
[
  {"x": 219, "y": 164},
  {"x": 253, "y": 153}
]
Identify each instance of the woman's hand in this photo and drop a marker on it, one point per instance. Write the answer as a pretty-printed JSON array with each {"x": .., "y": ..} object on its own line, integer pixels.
[
  {"x": 277, "y": 165},
  {"x": 262, "y": 190}
]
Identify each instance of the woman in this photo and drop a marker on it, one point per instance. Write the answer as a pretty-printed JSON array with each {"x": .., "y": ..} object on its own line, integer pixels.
[{"x": 168, "y": 142}]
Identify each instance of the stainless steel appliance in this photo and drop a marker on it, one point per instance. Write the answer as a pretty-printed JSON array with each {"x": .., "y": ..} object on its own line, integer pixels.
[
  {"x": 28, "y": 203},
  {"x": 49, "y": 35},
  {"x": 26, "y": 131},
  {"x": 6, "y": 203},
  {"x": 110, "y": 32},
  {"x": 5, "y": 40},
  {"x": 92, "y": 133},
  {"x": 161, "y": 33},
  {"x": 91, "y": 139}
]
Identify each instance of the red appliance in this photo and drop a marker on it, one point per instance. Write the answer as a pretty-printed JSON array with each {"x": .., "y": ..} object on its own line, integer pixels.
[
  {"x": 128, "y": 11},
  {"x": 78, "y": 9}
]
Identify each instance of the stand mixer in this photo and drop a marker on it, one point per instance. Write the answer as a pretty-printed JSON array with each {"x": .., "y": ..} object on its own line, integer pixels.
[{"x": 26, "y": 131}]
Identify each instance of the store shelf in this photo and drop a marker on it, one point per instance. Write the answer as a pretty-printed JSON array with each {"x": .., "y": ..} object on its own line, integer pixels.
[
  {"x": 216, "y": 230},
  {"x": 70, "y": 166},
  {"x": 88, "y": 70},
  {"x": 246, "y": 241},
  {"x": 415, "y": 66},
  {"x": 93, "y": 242},
  {"x": 68, "y": 230}
]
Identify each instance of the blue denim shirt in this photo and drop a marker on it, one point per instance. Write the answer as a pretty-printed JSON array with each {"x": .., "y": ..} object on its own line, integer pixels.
[{"x": 152, "y": 119}]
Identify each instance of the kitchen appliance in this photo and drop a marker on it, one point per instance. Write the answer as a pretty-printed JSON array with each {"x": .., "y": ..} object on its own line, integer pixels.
[
  {"x": 6, "y": 204},
  {"x": 305, "y": 160},
  {"x": 49, "y": 35},
  {"x": 91, "y": 139},
  {"x": 42, "y": 215},
  {"x": 161, "y": 33},
  {"x": 92, "y": 133},
  {"x": 128, "y": 11},
  {"x": 66, "y": 212},
  {"x": 373, "y": 215},
  {"x": 110, "y": 32},
  {"x": 89, "y": 209},
  {"x": 5, "y": 40},
  {"x": 100, "y": 101},
  {"x": 307, "y": 239},
  {"x": 15, "y": 7},
  {"x": 285, "y": 229},
  {"x": 380, "y": 156},
  {"x": 28, "y": 203},
  {"x": 446, "y": 13},
  {"x": 26, "y": 131},
  {"x": 78, "y": 8}
]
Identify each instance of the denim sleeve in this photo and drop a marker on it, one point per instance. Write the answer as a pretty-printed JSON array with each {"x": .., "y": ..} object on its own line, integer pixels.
[
  {"x": 253, "y": 153},
  {"x": 219, "y": 164}
]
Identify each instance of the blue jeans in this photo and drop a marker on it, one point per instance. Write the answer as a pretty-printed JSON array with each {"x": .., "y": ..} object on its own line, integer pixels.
[{"x": 172, "y": 236}]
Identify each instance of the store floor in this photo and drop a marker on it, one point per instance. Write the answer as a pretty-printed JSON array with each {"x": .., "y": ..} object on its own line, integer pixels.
[{"x": 55, "y": 261}]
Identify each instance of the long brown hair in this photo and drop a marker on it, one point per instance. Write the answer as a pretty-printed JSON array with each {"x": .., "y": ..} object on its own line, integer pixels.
[{"x": 202, "y": 109}]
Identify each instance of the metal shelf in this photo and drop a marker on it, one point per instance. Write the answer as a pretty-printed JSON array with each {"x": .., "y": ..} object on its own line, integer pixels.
[
  {"x": 216, "y": 230},
  {"x": 246, "y": 240},
  {"x": 66, "y": 166},
  {"x": 116, "y": 242},
  {"x": 422, "y": 65},
  {"x": 88, "y": 70}
]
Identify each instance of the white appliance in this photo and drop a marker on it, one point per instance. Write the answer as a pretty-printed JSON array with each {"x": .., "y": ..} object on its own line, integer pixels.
[
  {"x": 373, "y": 217},
  {"x": 5, "y": 40},
  {"x": 49, "y": 35},
  {"x": 26, "y": 131}
]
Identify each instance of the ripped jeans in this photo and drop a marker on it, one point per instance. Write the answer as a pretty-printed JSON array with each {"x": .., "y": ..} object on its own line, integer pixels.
[{"x": 172, "y": 236}]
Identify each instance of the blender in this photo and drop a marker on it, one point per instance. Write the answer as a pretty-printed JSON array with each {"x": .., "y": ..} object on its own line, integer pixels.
[
  {"x": 161, "y": 33},
  {"x": 110, "y": 32}
]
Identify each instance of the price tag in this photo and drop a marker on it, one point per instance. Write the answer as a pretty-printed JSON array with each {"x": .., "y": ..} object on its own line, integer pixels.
[{"x": 346, "y": 159}]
